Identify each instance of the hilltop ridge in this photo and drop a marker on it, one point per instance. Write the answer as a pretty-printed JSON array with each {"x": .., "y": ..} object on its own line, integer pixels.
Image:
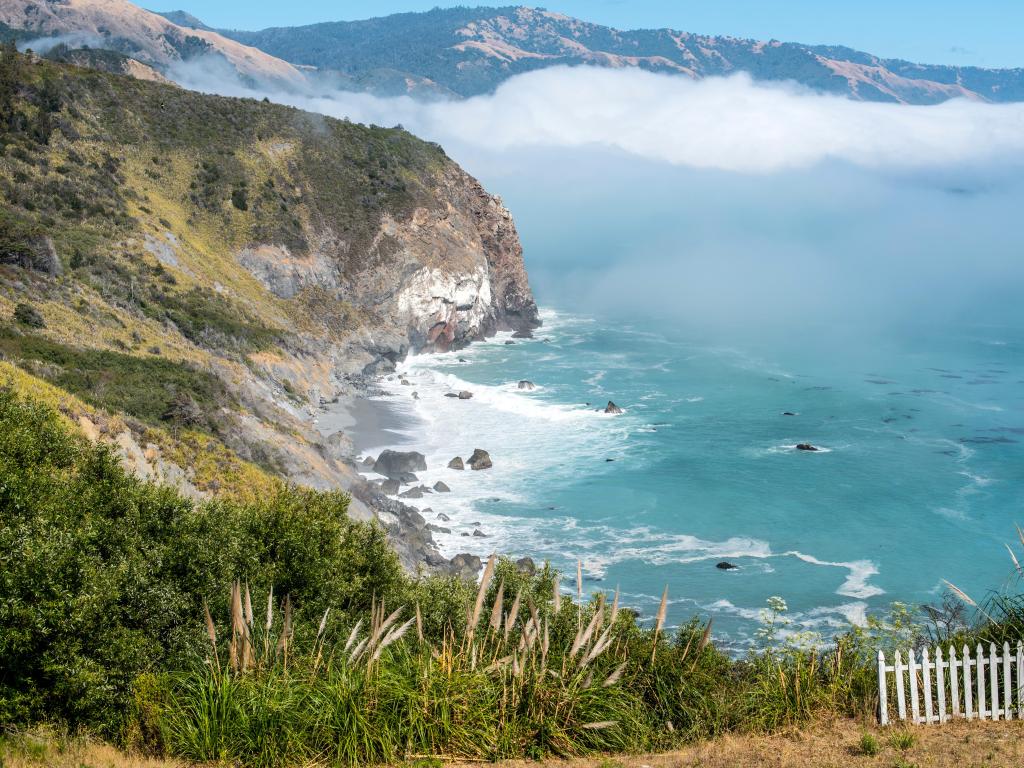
[{"x": 464, "y": 52}]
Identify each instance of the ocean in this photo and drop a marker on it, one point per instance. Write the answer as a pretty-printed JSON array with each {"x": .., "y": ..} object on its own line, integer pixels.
[{"x": 919, "y": 478}]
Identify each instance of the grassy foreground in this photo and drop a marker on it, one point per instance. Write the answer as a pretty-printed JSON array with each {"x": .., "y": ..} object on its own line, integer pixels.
[{"x": 118, "y": 619}]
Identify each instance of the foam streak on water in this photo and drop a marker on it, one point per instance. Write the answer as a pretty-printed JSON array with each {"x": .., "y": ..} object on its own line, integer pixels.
[{"x": 914, "y": 474}]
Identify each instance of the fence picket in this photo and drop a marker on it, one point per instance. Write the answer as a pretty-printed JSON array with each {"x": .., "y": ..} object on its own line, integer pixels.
[
  {"x": 993, "y": 680},
  {"x": 968, "y": 704},
  {"x": 1020, "y": 680},
  {"x": 915, "y": 707},
  {"x": 901, "y": 700},
  {"x": 940, "y": 683},
  {"x": 883, "y": 691},
  {"x": 1007, "y": 697},
  {"x": 925, "y": 669},
  {"x": 979, "y": 669},
  {"x": 954, "y": 689}
]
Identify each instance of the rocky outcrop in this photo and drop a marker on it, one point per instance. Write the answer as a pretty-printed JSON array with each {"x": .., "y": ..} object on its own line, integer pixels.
[
  {"x": 465, "y": 279},
  {"x": 394, "y": 464},
  {"x": 480, "y": 459}
]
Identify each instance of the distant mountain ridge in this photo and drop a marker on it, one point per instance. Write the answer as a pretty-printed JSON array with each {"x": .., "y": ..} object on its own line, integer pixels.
[
  {"x": 470, "y": 51},
  {"x": 149, "y": 38}
]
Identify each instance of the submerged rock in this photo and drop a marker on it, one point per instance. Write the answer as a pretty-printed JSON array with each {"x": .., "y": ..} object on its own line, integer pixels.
[
  {"x": 788, "y": 413},
  {"x": 806, "y": 447},
  {"x": 443, "y": 517},
  {"x": 392, "y": 464},
  {"x": 456, "y": 463},
  {"x": 726, "y": 566},
  {"x": 526, "y": 384},
  {"x": 451, "y": 394},
  {"x": 612, "y": 408},
  {"x": 480, "y": 459},
  {"x": 478, "y": 534},
  {"x": 509, "y": 342},
  {"x": 441, "y": 487}
]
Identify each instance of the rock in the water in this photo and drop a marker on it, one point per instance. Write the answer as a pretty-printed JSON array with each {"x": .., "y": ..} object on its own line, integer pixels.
[
  {"x": 438, "y": 528},
  {"x": 806, "y": 447},
  {"x": 612, "y": 408},
  {"x": 456, "y": 463},
  {"x": 480, "y": 459},
  {"x": 412, "y": 493},
  {"x": 464, "y": 533},
  {"x": 443, "y": 517},
  {"x": 527, "y": 334},
  {"x": 478, "y": 534},
  {"x": 390, "y": 487},
  {"x": 463, "y": 360},
  {"x": 441, "y": 487},
  {"x": 465, "y": 395},
  {"x": 415, "y": 395},
  {"x": 392, "y": 464},
  {"x": 526, "y": 384},
  {"x": 405, "y": 383},
  {"x": 726, "y": 566},
  {"x": 451, "y": 394},
  {"x": 788, "y": 413},
  {"x": 424, "y": 489},
  {"x": 369, "y": 461},
  {"x": 509, "y": 342},
  {"x": 407, "y": 478},
  {"x": 526, "y": 565}
]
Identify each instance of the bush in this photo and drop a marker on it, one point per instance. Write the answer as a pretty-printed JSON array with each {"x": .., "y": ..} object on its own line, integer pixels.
[
  {"x": 103, "y": 576},
  {"x": 28, "y": 315}
]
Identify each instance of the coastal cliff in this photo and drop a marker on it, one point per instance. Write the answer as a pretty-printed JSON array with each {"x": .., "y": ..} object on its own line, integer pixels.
[{"x": 206, "y": 271}]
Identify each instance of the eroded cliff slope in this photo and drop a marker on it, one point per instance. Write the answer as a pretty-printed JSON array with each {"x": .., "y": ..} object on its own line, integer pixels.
[{"x": 213, "y": 270}]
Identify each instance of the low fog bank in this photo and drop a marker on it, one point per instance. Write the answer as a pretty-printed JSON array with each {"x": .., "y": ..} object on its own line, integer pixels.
[{"x": 726, "y": 206}]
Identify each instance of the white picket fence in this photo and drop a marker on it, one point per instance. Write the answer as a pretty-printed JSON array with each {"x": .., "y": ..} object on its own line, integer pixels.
[{"x": 986, "y": 687}]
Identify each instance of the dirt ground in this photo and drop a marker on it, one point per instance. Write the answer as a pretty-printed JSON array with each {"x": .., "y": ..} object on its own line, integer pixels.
[{"x": 954, "y": 745}]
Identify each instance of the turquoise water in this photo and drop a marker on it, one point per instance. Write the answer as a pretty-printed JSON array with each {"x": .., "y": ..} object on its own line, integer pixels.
[{"x": 920, "y": 477}]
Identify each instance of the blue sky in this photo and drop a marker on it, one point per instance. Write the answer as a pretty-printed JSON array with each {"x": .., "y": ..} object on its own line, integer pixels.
[{"x": 982, "y": 32}]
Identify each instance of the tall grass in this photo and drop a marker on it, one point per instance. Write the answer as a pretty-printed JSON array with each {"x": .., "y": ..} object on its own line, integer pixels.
[{"x": 530, "y": 673}]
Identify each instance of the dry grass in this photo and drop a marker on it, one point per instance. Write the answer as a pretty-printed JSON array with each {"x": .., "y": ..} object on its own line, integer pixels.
[
  {"x": 47, "y": 749},
  {"x": 955, "y": 745}
]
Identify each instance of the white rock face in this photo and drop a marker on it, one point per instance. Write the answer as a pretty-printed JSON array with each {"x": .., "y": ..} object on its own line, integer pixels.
[{"x": 444, "y": 306}]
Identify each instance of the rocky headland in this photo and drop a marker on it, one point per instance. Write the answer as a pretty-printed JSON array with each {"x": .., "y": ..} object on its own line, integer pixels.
[{"x": 250, "y": 264}]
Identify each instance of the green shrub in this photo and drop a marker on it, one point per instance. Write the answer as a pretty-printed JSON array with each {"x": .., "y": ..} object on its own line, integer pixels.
[
  {"x": 103, "y": 576},
  {"x": 28, "y": 315},
  {"x": 868, "y": 744},
  {"x": 902, "y": 740},
  {"x": 143, "y": 387}
]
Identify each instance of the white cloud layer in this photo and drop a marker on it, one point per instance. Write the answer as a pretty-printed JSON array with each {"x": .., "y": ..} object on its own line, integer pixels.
[{"x": 731, "y": 124}]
